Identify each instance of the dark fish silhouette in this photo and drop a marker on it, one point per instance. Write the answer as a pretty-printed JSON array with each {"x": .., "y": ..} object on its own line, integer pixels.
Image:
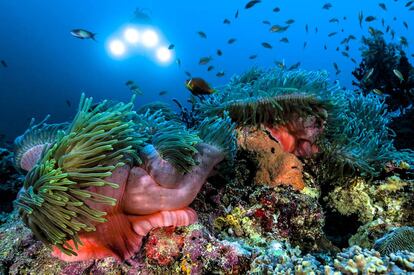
[
  {"x": 231, "y": 40},
  {"x": 202, "y": 34},
  {"x": 383, "y": 6},
  {"x": 266, "y": 45},
  {"x": 204, "y": 60},
  {"x": 226, "y": 21},
  {"x": 236, "y": 15},
  {"x": 253, "y": 56},
  {"x": 220, "y": 74},
  {"x": 210, "y": 68},
  {"x": 68, "y": 103},
  {"x": 219, "y": 52},
  {"x": 171, "y": 46},
  {"x": 251, "y": 4},
  {"x": 277, "y": 9},
  {"x": 161, "y": 93},
  {"x": 327, "y": 6},
  {"x": 294, "y": 66},
  {"x": 370, "y": 18},
  {"x": 4, "y": 64}
]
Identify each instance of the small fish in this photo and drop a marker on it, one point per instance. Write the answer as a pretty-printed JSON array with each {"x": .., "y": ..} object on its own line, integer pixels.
[
  {"x": 251, "y": 4},
  {"x": 266, "y": 45},
  {"x": 332, "y": 34},
  {"x": 307, "y": 28},
  {"x": 294, "y": 66},
  {"x": 210, "y": 68},
  {"x": 4, "y": 64},
  {"x": 178, "y": 61},
  {"x": 83, "y": 34},
  {"x": 405, "y": 24},
  {"x": 204, "y": 60},
  {"x": 360, "y": 18},
  {"x": 290, "y": 21},
  {"x": 305, "y": 44},
  {"x": 408, "y": 4},
  {"x": 129, "y": 83},
  {"x": 377, "y": 91},
  {"x": 253, "y": 56},
  {"x": 280, "y": 64},
  {"x": 278, "y": 28},
  {"x": 325, "y": 47},
  {"x": 345, "y": 54},
  {"x": 368, "y": 75},
  {"x": 231, "y": 40},
  {"x": 219, "y": 52},
  {"x": 277, "y": 9},
  {"x": 220, "y": 74},
  {"x": 334, "y": 20},
  {"x": 392, "y": 34},
  {"x": 68, "y": 103},
  {"x": 411, "y": 9},
  {"x": 266, "y": 22},
  {"x": 226, "y": 21},
  {"x": 336, "y": 67},
  {"x": 171, "y": 46},
  {"x": 403, "y": 41},
  {"x": 161, "y": 93},
  {"x": 316, "y": 30},
  {"x": 284, "y": 40},
  {"x": 383, "y": 6},
  {"x": 202, "y": 34},
  {"x": 136, "y": 90},
  {"x": 398, "y": 74},
  {"x": 187, "y": 74},
  {"x": 327, "y": 6},
  {"x": 353, "y": 60},
  {"x": 351, "y": 37},
  {"x": 198, "y": 86},
  {"x": 236, "y": 15},
  {"x": 370, "y": 18}
]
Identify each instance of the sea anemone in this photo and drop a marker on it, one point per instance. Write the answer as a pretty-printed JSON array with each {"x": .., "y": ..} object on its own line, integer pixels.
[
  {"x": 29, "y": 146},
  {"x": 94, "y": 145}
]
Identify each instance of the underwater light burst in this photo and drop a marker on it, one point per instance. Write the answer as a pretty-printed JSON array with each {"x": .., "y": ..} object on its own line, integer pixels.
[
  {"x": 117, "y": 47},
  {"x": 131, "y": 35},
  {"x": 150, "y": 38},
  {"x": 163, "y": 54}
]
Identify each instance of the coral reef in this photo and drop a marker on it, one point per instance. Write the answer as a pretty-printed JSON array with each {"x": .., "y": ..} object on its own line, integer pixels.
[
  {"x": 400, "y": 238},
  {"x": 384, "y": 58},
  {"x": 10, "y": 180},
  {"x": 280, "y": 167}
]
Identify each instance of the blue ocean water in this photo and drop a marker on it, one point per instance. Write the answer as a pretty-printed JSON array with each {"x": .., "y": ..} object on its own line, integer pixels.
[{"x": 47, "y": 68}]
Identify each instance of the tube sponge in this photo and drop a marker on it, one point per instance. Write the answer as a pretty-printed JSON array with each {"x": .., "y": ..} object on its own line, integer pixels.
[{"x": 54, "y": 204}]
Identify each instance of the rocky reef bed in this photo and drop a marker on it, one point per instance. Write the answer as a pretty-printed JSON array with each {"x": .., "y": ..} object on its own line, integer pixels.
[{"x": 245, "y": 228}]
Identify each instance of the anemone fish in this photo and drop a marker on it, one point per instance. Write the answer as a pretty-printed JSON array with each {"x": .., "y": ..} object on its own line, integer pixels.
[{"x": 198, "y": 86}]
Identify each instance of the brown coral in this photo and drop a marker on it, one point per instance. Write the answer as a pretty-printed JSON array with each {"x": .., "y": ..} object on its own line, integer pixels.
[{"x": 274, "y": 165}]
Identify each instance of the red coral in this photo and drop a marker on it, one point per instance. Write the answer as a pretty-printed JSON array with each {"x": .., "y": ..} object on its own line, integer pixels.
[{"x": 163, "y": 245}]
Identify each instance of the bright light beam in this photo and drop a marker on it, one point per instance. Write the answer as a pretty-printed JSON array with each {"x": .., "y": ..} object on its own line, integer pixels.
[
  {"x": 163, "y": 54},
  {"x": 117, "y": 48},
  {"x": 131, "y": 35},
  {"x": 150, "y": 38}
]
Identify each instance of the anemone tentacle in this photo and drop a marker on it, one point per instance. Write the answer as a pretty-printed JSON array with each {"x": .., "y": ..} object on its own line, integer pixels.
[{"x": 55, "y": 202}]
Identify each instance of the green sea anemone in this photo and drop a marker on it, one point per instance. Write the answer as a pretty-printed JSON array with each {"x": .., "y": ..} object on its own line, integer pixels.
[
  {"x": 100, "y": 139},
  {"x": 170, "y": 138},
  {"x": 219, "y": 132},
  {"x": 270, "y": 97},
  {"x": 37, "y": 134}
]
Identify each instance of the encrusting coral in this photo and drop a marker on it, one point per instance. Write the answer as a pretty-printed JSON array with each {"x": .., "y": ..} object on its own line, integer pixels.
[{"x": 86, "y": 197}]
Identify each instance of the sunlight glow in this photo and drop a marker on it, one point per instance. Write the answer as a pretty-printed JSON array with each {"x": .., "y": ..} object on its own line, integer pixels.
[
  {"x": 163, "y": 54},
  {"x": 150, "y": 38},
  {"x": 131, "y": 35},
  {"x": 117, "y": 47}
]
